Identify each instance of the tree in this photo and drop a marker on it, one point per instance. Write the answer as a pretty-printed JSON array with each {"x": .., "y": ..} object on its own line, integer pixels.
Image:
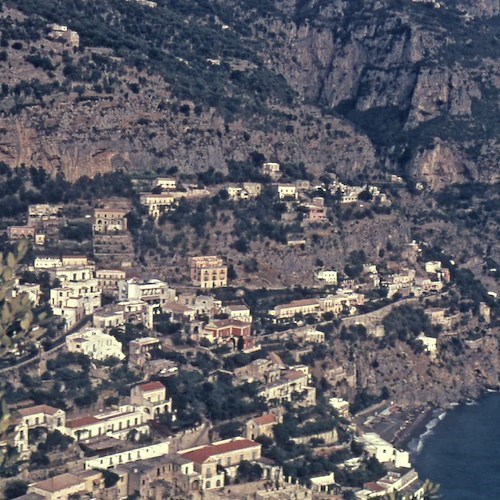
[
  {"x": 248, "y": 471},
  {"x": 17, "y": 321},
  {"x": 15, "y": 489}
]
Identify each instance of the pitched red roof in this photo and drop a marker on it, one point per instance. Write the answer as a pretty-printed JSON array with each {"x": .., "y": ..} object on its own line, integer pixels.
[
  {"x": 201, "y": 455},
  {"x": 35, "y": 410},
  {"x": 60, "y": 482},
  {"x": 81, "y": 422},
  {"x": 373, "y": 486},
  {"x": 151, "y": 386},
  {"x": 269, "y": 418}
]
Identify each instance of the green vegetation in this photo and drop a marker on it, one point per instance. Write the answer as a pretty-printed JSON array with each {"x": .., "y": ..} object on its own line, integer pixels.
[
  {"x": 174, "y": 41},
  {"x": 16, "y": 488},
  {"x": 219, "y": 400},
  {"x": 405, "y": 323},
  {"x": 23, "y": 186}
]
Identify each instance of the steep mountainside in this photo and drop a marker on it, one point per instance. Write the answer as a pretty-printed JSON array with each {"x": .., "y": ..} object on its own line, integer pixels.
[{"x": 357, "y": 87}]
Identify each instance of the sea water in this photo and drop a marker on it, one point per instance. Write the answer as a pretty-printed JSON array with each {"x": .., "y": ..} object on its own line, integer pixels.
[{"x": 461, "y": 451}]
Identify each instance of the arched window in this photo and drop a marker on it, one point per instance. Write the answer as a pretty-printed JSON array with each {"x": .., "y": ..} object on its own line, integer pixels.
[{"x": 207, "y": 485}]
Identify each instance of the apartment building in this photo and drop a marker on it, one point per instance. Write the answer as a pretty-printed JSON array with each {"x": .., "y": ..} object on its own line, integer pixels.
[
  {"x": 35, "y": 416},
  {"x": 238, "y": 311},
  {"x": 108, "y": 318},
  {"x": 160, "y": 477},
  {"x": 343, "y": 302},
  {"x": 383, "y": 451},
  {"x": 60, "y": 487},
  {"x": 165, "y": 183},
  {"x": 208, "y": 272},
  {"x": 152, "y": 291},
  {"x": 287, "y": 191},
  {"x": 47, "y": 262},
  {"x": 157, "y": 204},
  {"x": 228, "y": 453},
  {"x": 303, "y": 306},
  {"x": 292, "y": 385},
  {"x": 110, "y": 219},
  {"x": 329, "y": 276},
  {"x": 108, "y": 279}
]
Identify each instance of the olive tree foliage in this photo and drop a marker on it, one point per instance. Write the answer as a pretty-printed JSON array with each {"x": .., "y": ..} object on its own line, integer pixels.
[{"x": 18, "y": 321}]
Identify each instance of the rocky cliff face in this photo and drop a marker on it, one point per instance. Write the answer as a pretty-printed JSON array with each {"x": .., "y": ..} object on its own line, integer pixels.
[{"x": 351, "y": 60}]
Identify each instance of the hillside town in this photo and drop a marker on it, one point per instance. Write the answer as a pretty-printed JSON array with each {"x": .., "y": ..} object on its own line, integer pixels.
[{"x": 204, "y": 387}]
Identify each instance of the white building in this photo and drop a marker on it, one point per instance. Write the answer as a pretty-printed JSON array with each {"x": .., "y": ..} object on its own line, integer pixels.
[
  {"x": 287, "y": 191},
  {"x": 165, "y": 183},
  {"x": 152, "y": 291},
  {"x": 329, "y": 276},
  {"x": 432, "y": 266},
  {"x": 95, "y": 344},
  {"x": 239, "y": 312},
  {"x": 111, "y": 318},
  {"x": 383, "y": 451},
  {"x": 124, "y": 457},
  {"x": 340, "y": 405},
  {"x": 47, "y": 262},
  {"x": 430, "y": 343},
  {"x": 157, "y": 204}
]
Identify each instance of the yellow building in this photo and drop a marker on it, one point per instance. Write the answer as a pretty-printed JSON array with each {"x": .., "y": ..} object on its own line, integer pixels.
[
  {"x": 152, "y": 397},
  {"x": 287, "y": 191},
  {"x": 208, "y": 272},
  {"x": 303, "y": 306},
  {"x": 157, "y": 203},
  {"x": 59, "y": 487},
  {"x": 228, "y": 454},
  {"x": 110, "y": 220}
]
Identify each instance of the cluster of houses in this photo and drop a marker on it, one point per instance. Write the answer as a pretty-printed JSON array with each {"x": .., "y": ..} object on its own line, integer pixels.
[
  {"x": 43, "y": 222},
  {"x": 120, "y": 439},
  {"x": 165, "y": 194}
]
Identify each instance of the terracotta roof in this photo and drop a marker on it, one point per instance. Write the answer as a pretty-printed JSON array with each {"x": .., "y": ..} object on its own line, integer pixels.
[
  {"x": 34, "y": 410},
  {"x": 81, "y": 422},
  {"x": 58, "y": 483},
  {"x": 373, "y": 486},
  {"x": 269, "y": 418},
  {"x": 299, "y": 303},
  {"x": 294, "y": 374},
  {"x": 237, "y": 307},
  {"x": 201, "y": 455},
  {"x": 222, "y": 323},
  {"x": 151, "y": 386},
  {"x": 275, "y": 358}
]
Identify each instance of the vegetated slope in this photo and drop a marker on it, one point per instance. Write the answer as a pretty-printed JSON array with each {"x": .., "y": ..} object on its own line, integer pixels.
[{"x": 356, "y": 87}]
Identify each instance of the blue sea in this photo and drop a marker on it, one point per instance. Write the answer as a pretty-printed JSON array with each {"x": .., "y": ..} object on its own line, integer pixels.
[{"x": 461, "y": 451}]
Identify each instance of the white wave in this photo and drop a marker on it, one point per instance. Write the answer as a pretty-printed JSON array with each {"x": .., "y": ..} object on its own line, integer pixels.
[{"x": 417, "y": 444}]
